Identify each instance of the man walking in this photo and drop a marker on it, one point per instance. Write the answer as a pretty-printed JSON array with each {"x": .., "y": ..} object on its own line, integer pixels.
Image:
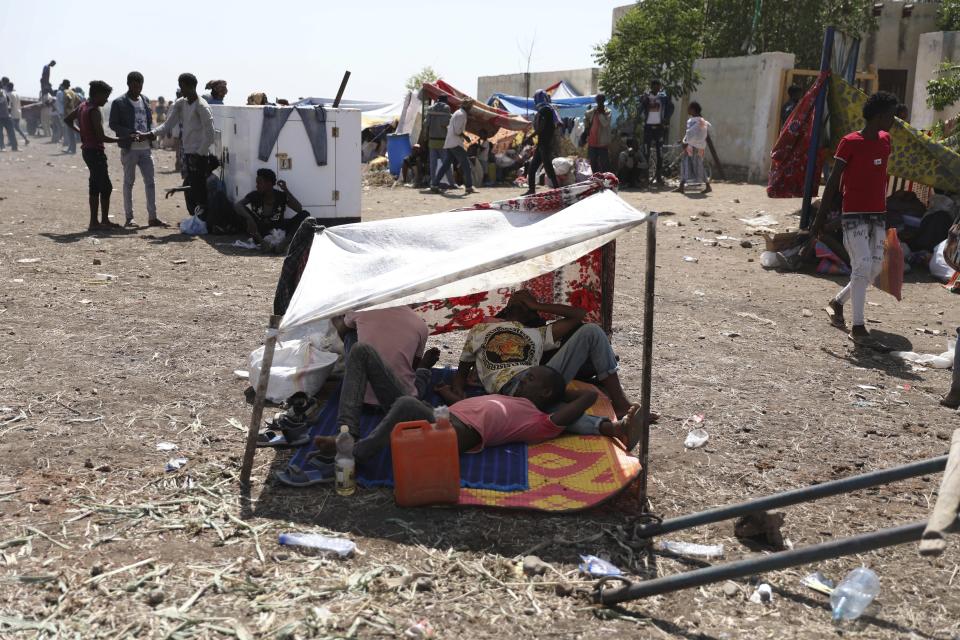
[
  {"x": 6, "y": 122},
  {"x": 195, "y": 115},
  {"x": 129, "y": 114},
  {"x": 453, "y": 147},
  {"x": 597, "y": 126},
  {"x": 16, "y": 112},
  {"x": 656, "y": 108},
  {"x": 545, "y": 125},
  {"x": 438, "y": 120}
]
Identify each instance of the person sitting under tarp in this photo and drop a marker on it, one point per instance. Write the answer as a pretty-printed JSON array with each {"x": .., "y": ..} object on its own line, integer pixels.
[
  {"x": 534, "y": 412},
  {"x": 264, "y": 208},
  {"x": 502, "y": 348}
]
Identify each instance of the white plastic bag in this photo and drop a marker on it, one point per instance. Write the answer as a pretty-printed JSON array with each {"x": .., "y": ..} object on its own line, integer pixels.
[
  {"x": 298, "y": 365},
  {"x": 193, "y": 226},
  {"x": 938, "y": 266}
]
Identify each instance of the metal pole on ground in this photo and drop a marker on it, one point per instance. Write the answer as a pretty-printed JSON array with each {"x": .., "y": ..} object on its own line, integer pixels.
[
  {"x": 808, "y": 184},
  {"x": 647, "y": 371},
  {"x": 751, "y": 566},
  {"x": 251, "y": 446},
  {"x": 796, "y": 496}
]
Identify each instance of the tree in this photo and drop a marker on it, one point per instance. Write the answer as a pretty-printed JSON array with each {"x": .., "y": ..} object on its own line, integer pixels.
[
  {"x": 416, "y": 81},
  {"x": 948, "y": 15},
  {"x": 794, "y": 26},
  {"x": 654, "y": 40},
  {"x": 944, "y": 89}
]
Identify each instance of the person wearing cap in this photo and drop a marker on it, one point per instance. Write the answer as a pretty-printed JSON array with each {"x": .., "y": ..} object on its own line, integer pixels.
[{"x": 453, "y": 147}]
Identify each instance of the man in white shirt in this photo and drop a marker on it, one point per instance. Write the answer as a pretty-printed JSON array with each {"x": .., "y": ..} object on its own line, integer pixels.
[
  {"x": 453, "y": 147},
  {"x": 195, "y": 115},
  {"x": 16, "y": 111}
]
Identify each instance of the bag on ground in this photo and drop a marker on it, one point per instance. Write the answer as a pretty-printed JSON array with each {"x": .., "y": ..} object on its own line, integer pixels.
[{"x": 298, "y": 365}]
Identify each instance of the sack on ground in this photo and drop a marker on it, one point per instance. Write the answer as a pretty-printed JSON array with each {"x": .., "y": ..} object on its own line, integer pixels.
[
  {"x": 951, "y": 250},
  {"x": 298, "y": 365},
  {"x": 891, "y": 277},
  {"x": 193, "y": 226}
]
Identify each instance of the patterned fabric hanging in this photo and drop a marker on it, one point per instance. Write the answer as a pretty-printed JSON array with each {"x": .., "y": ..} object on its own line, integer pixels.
[{"x": 788, "y": 167}]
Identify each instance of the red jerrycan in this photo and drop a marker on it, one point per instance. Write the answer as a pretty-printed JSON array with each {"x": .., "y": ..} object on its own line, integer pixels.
[{"x": 426, "y": 463}]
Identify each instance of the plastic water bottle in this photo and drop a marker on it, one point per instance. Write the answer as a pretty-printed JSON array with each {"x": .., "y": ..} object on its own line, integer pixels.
[
  {"x": 345, "y": 464},
  {"x": 854, "y": 594},
  {"x": 340, "y": 546},
  {"x": 442, "y": 415}
]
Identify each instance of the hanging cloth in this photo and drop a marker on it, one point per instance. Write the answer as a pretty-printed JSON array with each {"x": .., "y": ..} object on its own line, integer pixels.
[
  {"x": 314, "y": 120},
  {"x": 788, "y": 166}
]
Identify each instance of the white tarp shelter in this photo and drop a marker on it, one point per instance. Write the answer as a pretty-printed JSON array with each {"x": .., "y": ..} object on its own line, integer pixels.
[{"x": 423, "y": 258}]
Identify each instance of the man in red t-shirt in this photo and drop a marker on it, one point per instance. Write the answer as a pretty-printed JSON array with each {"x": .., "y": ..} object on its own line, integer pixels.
[{"x": 860, "y": 171}]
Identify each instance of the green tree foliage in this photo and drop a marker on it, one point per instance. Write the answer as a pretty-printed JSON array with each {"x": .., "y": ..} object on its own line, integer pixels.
[
  {"x": 793, "y": 26},
  {"x": 944, "y": 89},
  {"x": 948, "y": 15},
  {"x": 657, "y": 39},
  {"x": 427, "y": 74}
]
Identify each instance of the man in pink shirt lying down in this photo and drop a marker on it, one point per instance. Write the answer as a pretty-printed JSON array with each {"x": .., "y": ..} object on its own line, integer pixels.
[{"x": 483, "y": 421}]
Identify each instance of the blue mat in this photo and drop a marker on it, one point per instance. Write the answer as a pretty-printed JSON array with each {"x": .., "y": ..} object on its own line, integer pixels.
[{"x": 502, "y": 468}]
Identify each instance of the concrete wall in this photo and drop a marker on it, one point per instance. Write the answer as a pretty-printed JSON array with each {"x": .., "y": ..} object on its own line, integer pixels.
[
  {"x": 619, "y": 12},
  {"x": 585, "y": 81},
  {"x": 935, "y": 48},
  {"x": 895, "y": 43},
  {"x": 740, "y": 97}
]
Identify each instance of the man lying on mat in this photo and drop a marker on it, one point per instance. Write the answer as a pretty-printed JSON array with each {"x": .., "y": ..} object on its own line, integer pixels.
[
  {"x": 483, "y": 421},
  {"x": 504, "y": 347}
]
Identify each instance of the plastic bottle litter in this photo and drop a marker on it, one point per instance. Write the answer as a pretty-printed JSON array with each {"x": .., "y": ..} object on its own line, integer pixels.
[
  {"x": 854, "y": 594},
  {"x": 166, "y": 446},
  {"x": 819, "y": 582},
  {"x": 339, "y": 546},
  {"x": 690, "y": 259},
  {"x": 345, "y": 464},
  {"x": 174, "y": 464},
  {"x": 105, "y": 277},
  {"x": 696, "y": 439},
  {"x": 691, "y": 549},
  {"x": 598, "y": 567}
]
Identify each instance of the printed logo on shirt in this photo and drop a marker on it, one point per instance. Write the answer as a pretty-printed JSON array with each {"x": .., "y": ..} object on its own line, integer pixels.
[
  {"x": 507, "y": 347},
  {"x": 877, "y": 162}
]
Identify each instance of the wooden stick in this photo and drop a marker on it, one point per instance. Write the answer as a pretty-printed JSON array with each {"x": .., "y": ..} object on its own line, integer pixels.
[
  {"x": 100, "y": 577},
  {"x": 257, "y": 415},
  {"x": 716, "y": 159},
  {"x": 647, "y": 362},
  {"x": 343, "y": 87},
  {"x": 947, "y": 508}
]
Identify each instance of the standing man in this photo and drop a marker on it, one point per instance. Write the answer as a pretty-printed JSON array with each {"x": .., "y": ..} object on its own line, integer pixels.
[
  {"x": 545, "y": 125},
  {"x": 860, "y": 170},
  {"x": 46, "y": 89},
  {"x": 67, "y": 102},
  {"x": 16, "y": 112},
  {"x": 453, "y": 147},
  {"x": 92, "y": 139},
  {"x": 438, "y": 120},
  {"x": 6, "y": 122},
  {"x": 656, "y": 108},
  {"x": 129, "y": 114},
  {"x": 217, "y": 91},
  {"x": 195, "y": 115},
  {"x": 597, "y": 124}
]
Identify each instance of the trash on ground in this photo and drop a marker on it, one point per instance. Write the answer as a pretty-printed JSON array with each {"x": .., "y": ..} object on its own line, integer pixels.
[
  {"x": 28, "y": 260},
  {"x": 690, "y": 259},
  {"x": 772, "y": 260},
  {"x": 854, "y": 593},
  {"x": 760, "y": 221},
  {"x": 173, "y": 464},
  {"x": 166, "y": 446},
  {"x": 105, "y": 277},
  {"x": 598, "y": 567},
  {"x": 754, "y": 316},
  {"x": 867, "y": 387},
  {"x": 244, "y": 244},
  {"x": 421, "y": 629},
  {"x": 806, "y": 313},
  {"x": 762, "y": 528},
  {"x": 534, "y": 566},
  {"x": 243, "y": 374},
  {"x": 942, "y": 361},
  {"x": 763, "y": 594},
  {"x": 696, "y": 439},
  {"x": 818, "y": 582},
  {"x": 691, "y": 549},
  {"x": 339, "y": 546}
]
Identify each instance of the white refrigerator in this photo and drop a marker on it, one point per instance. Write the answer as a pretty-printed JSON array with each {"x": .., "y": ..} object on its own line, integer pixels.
[{"x": 330, "y": 193}]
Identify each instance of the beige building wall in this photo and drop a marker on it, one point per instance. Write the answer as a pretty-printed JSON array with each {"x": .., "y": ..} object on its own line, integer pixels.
[
  {"x": 619, "y": 12},
  {"x": 584, "y": 81},
  {"x": 935, "y": 48}
]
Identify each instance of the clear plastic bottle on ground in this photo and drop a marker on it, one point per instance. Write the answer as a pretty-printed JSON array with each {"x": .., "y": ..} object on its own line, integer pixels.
[
  {"x": 340, "y": 546},
  {"x": 345, "y": 464},
  {"x": 854, "y": 594}
]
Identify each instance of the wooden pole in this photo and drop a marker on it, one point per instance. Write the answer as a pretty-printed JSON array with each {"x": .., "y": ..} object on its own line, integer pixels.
[
  {"x": 343, "y": 87},
  {"x": 251, "y": 446},
  {"x": 647, "y": 371},
  {"x": 716, "y": 158}
]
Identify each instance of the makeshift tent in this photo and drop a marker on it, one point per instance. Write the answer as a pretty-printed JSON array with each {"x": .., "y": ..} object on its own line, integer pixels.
[
  {"x": 518, "y": 105},
  {"x": 562, "y": 89},
  {"x": 361, "y": 105},
  {"x": 460, "y": 265},
  {"x": 483, "y": 118}
]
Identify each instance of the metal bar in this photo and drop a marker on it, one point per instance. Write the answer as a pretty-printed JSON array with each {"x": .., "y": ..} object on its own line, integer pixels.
[
  {"x": 751, "y": 566},
  {"x": 795, "y": 496},
  {"x": 647, "y": 363},
  {"x": 343, "y": 87},
  {"x": 608, "y": 278},
  {"x": 251, "y": 446},
  {"x": 850, "y": 75},
  {"x": 808, "y": 184}
]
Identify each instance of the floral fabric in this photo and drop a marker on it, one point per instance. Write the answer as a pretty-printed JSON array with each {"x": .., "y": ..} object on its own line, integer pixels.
[
  {"x": 577, "y": 284},
  {"x": 788, "y": 166}
]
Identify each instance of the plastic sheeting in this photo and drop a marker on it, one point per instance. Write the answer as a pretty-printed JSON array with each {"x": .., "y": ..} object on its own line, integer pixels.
[{"x": 418, "y": 259}]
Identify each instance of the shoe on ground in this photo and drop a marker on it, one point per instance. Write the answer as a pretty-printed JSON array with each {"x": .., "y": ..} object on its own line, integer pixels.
[{"x": 158, "y": 223}]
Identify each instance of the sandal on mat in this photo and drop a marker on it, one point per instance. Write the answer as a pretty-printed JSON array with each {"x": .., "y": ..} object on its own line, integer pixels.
[{"x": 310, "y": 474}]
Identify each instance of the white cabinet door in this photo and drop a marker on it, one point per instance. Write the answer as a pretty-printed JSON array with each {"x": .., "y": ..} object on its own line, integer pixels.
[{"x": 313, "y": 185}]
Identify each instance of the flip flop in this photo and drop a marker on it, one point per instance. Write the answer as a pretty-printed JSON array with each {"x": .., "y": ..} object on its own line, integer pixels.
[
  {"x": 272, "y": 439},
  {"x": 307, "y": 476}
]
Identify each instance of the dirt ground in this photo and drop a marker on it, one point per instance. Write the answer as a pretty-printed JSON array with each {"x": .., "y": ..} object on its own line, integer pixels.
[{"x": 97, "y": 541}]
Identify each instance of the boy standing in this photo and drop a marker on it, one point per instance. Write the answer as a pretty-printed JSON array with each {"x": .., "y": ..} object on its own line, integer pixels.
[
  {"x": 860, "y": 171},
  {"x": 92, "y": 139}
]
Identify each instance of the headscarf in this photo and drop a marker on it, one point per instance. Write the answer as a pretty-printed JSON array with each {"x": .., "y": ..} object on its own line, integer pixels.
[{"x": 541, "y": 98}]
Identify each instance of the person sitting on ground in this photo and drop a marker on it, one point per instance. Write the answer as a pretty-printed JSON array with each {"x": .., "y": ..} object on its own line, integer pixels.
[
  {"x": 534, "y": 413},
  {"x": 629, "y": 163},
  {"x": 263, "y": 209},
  {"x": 502, "y": 348},
  {"x": 400, "y": 337}
]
